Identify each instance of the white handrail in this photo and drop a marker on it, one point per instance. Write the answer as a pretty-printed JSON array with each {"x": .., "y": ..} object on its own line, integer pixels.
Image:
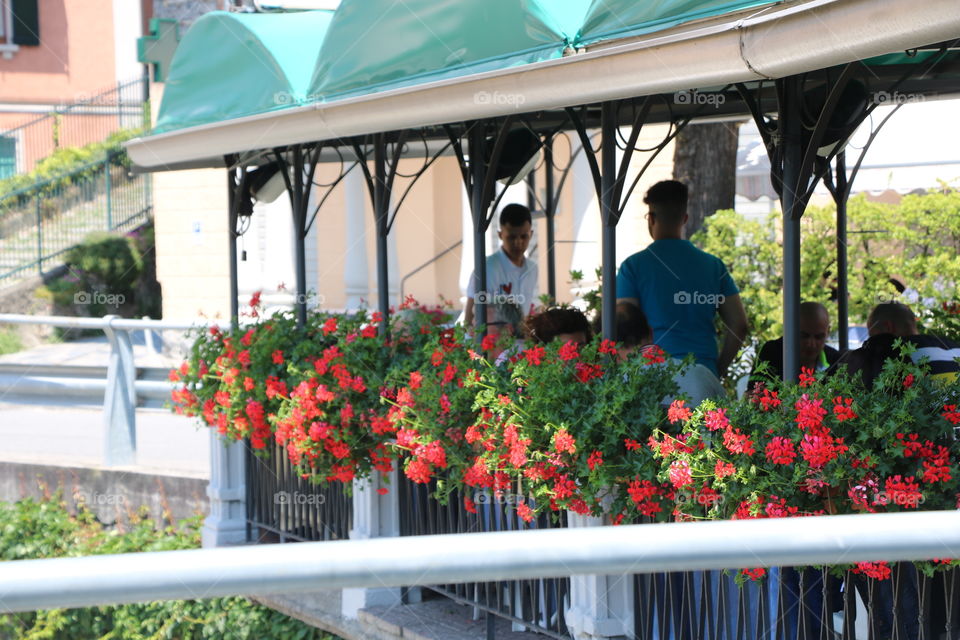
[
  {"x": 422, "y": 560},
  {"x": 107, "y": 321}
]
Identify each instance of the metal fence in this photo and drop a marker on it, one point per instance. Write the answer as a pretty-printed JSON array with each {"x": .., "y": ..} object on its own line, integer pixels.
[
  {"x": 283, "y": 506},
  {"x": 41, "y": 222},
  {"x": 90, "y": 118},
  {"x": 535, "y": 605},
  {"x": 798, "y": 604}
]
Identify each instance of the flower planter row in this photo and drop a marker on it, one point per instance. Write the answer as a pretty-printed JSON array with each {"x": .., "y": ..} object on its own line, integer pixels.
[{"x": 567, "y": 427}]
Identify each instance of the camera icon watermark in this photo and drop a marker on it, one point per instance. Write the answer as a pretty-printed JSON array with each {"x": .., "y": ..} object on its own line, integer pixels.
[
  {"x": 298, "y": 498},
  {"x": 98, "y": 297},
  {"x": 485, "y": 297},
  {"x": 284, "y": 98},
  {"x": 515, "y": 100},
  {"x": 907, "y": 499},
  {"x": 310, "y": 298},
  {"x": 695, "y": 297},
  {"x": 895, "y": 98},
  {"x": 694, "y": 97},
  {"x": 497, "y": 497},
  {"x": 97, "y": 499},
  {"x": 701, "y": 499}
]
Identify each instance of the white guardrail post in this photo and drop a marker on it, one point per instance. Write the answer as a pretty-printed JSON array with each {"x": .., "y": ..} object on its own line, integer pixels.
[
  {"x": 226, "y": 523},
  {"x": 120, "y": 399},
  {"x": 601, "y": 606},
  {"x": 374, "y": 516}
]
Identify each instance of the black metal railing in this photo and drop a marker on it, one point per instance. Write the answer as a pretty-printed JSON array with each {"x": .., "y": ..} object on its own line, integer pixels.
[
  {"x": 798, "y": 604},
  {"x": 536, "y": 605},
  {"x": 282, "y": 506},
  {"x": 787, "y": 604}
]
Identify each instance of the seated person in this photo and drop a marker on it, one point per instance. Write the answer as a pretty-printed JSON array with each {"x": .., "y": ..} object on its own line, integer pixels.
[
  {"x": 888, "y": 322},
  {"x": 815, "y": 354},
  {"x": 565, "y": 324},
  {"x": 697, "y": 382}
]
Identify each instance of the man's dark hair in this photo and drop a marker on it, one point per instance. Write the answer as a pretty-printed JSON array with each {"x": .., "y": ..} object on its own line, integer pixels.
[
  {"x": 632, "y": 325},
  {"x": 543, "y": 327},
  {"x": 515, "y": 215},
  {"x": 668, "y": 199}
]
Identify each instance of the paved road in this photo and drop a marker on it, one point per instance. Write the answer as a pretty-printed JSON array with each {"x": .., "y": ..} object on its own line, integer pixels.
[
  {"x": 49, "y": 430},
  {"x": 73, "y": 436}
]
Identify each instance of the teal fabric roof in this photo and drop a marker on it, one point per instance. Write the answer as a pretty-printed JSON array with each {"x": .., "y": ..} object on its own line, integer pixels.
[
  {"x": 230, "y": 65},
  {"x": 623, "y": 18},
  {"x": 375, "y": 45}
]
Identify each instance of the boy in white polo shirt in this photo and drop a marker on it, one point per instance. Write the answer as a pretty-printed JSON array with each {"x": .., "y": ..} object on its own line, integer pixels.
[{"x": 512, "y": 278}]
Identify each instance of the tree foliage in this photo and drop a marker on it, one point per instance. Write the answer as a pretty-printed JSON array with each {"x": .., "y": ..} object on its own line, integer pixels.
[{"x": 915, "y": 242}]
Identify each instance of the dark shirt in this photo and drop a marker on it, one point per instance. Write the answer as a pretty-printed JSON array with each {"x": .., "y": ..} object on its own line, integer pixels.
[
  {"x": 868, "y": 359},
  {"x": 772, "y": 353}
]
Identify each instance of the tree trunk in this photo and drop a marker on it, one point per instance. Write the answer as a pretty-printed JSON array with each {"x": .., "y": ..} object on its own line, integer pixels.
[{"x": 705, "y": 159}]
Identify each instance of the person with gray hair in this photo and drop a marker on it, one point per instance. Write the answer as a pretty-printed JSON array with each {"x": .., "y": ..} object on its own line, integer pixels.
[
  {"x": 889, "y": 322},
  {"x": 894, "y": 318}
]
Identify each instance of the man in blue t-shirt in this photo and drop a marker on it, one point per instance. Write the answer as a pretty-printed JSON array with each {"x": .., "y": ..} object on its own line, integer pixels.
[{"x": 681, "y": 288}]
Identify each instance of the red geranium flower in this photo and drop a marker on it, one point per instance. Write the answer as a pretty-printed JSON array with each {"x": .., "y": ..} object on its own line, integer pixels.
[
  {"x": 569, "y": 351},
  {"x": 723, "y": 469},
  {"x": 876, "y": 570},
  {"x": 679, "y": 474},
  {"x": 534, "y": 355},
  {"x": 754, "y": 574},
  {"x": 951, "y": 414},
  {"x": 563, "y": 442},
  {"x": 780, "y": 450},
  {"x": 594, "y": 460},
  {"x": 653, "y": 354},
  {"x": 330, "y": 326},
  {"x": 678, "y": 412},
  {"x": 608, "y": 346},
  {"x": 716, "y": 419},
  {"x": 586, "y": 372},
  {"x": 525, "y": 512},
  {"x": 842, "y": 410}
]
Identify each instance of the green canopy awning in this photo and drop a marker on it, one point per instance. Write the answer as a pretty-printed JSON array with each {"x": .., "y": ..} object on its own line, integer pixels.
[
  {"x": 252, "y": 81},
  {"x": 624, "y": 18},
  {"x": 231, "y": 65},
  {"x": 374, "y": 45}
]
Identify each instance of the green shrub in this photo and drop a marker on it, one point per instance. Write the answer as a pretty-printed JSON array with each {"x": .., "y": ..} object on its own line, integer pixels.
[
  {"x": 107, "y": 259},
  {"x": 61, "y": 168},
  {"x": 32, "y": 529},
  {"x": 9, "y": 341}
]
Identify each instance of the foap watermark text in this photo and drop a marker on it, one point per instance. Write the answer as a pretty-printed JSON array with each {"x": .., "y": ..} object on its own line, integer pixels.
[
  {"x": 696, "y": 297},
  {"x": 99, "y": 297},
  {"x": 298, "y": 498}
]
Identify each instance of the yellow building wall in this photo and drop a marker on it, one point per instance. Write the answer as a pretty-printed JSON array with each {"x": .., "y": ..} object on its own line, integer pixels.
[{"x": 192, "y": 249}]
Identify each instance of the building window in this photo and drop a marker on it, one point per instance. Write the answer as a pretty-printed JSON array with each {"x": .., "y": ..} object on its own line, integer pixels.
[
  {"x": 8, "y": 156},
  {"x": 19, "y": 25}
]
